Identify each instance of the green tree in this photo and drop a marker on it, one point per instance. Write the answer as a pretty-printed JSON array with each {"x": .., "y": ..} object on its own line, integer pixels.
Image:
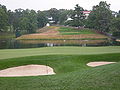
[
  {"x": 118, "y": 15},
  {"x": 3, "y": 18},
  {"x": 24, "y": 23},
  {"x": 42, "y": 19},
  {"x": 17, "y": 14},
  {"x": 54, "y": 13},
  {"x": 11, "y": 20},
  {"x": 77, "y": 16},
  {"x": 100, "y": 17},
  {"x": 32, "y": 21},
  {"x": 63, "y": 15},
  {"x": 25, "y": 20},
  {"x": 115, "y": 24}
]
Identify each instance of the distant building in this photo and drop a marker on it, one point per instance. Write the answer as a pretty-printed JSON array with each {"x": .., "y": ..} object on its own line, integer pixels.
[
  {"x": 51, "y": 21},
  {"x": 114, "y": 13},
  {"x": 86, "y": 13},
  {"x": 69, "y": 19},
  {"x": 47, "y": 24}
]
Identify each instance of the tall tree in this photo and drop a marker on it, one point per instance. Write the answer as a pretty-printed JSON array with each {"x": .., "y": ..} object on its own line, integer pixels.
[
  {"x": 16, "y": 18},
  {"x": 63, "y": 15},
  {"x": 118, "y": 15},
  {"x": 54, "y": 13},
  {"x": 78, "y": 16},
  {"x": 100, "y": 17},
  {"x": 25, "y": 20},
  {"x": 42, "y": 19},
  {"x": 115, "y": 24},
  {"x": 11, "y": 20},
  {"x": 3, "y": 18}
]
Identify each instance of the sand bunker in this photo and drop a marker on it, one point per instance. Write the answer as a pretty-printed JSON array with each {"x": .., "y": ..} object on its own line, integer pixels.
[
  {"x": 28, "y": 70},
  {"x": 94, "y": 64},
  {"x": 118, "y": 40}
]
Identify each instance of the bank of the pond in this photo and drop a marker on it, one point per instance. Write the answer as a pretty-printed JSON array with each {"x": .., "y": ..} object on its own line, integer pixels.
[
  {"x": 20, "y": 44},
  {"x": 6, "y": 35}
]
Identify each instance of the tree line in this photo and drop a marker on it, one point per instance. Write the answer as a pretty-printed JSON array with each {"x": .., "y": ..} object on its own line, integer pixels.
[
  {"x": 101, "y": 18},
  {"x": 28, "y": 21}
]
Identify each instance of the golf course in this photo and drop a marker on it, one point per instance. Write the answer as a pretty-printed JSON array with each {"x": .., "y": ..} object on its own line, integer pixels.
[
  {"x": 59, "y": 45},
  {"x": 69, "y": 65}
]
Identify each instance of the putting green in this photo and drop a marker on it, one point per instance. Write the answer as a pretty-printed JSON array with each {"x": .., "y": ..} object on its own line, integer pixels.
[{"x": 13, "y": 53}]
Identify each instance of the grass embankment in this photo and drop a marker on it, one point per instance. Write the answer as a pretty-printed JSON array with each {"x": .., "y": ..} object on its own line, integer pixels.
[
  {"x": 64, "y": 33},
  {"x": 6, "y": 35},
  {"x": 71, "y": 73},
  {"x": 64, "y": 42}
]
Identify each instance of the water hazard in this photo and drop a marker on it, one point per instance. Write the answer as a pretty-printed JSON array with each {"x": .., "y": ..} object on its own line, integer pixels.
[{"x": 14, "y": 44}]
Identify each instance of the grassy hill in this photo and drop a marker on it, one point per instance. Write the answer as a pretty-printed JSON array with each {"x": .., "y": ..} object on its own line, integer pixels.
[{"x": 63, "y": 33}]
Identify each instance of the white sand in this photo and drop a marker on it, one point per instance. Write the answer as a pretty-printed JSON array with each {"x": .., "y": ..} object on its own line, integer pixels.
[
  {"x": 94, "y": 64},
  {"x": 28, "y": 70},
  {"x": 118, "y": 40}
]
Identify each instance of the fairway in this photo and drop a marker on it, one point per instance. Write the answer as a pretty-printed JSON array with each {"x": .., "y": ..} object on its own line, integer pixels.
[{"x": 12, "y": 53}]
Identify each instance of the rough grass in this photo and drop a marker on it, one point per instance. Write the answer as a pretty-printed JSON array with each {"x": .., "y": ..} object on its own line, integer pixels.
[
  {"x": 45, "y": 29},
  {"x": 72, "y": 73}
]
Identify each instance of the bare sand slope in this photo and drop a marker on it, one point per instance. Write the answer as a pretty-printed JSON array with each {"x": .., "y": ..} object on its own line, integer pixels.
[
  {"x": 94, "y": 64},
  {"x": 28, "y": 70}
]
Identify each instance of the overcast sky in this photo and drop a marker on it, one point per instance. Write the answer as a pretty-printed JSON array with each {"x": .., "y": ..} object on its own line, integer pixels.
[{"x": 59, "y": 4}]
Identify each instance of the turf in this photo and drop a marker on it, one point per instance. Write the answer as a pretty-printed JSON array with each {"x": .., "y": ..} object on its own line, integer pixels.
[
  {"x": 12, "y": 53},
  {"x": 71, "y": 73},
  {"x": 69, "y": 63}
]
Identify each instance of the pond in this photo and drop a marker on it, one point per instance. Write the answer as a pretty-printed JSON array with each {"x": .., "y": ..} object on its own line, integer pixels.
[{"x": 16, "y": 44}]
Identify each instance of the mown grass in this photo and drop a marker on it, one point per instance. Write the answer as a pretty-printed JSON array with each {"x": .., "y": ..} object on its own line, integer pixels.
[
  {"x": 72, "y": 31},
  {"x": 71, "y": 73},
  {"x": 12, "y": 53}
]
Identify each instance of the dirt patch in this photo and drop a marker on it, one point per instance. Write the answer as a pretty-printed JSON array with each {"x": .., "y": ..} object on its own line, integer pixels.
[
  {"x": 27, "y": 70},
  {"x": 94, "y": 64}
]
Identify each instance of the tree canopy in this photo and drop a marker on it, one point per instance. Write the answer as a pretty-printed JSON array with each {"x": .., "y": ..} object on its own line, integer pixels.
[
  {"x": 100, "y": 17},
  {"x": 28, "y": 21},
  {"x": 3, "y": 17}
]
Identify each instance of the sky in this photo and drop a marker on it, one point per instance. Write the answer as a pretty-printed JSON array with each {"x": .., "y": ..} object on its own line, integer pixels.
[{"x": 59, "y": 4}]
